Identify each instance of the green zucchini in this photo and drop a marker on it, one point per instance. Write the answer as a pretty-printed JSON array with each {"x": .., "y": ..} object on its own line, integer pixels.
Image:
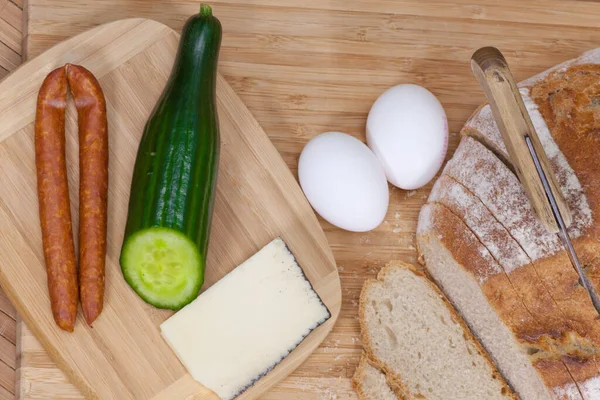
[{"x": 173, "y": 186}]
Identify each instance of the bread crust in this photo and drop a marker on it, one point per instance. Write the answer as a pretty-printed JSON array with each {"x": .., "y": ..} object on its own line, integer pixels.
[
  {"x": 553, "y": 268},
  {"x": 392, "y": 384},
  {"x": 579, "y": 330},
  {"x": 567, "y": 98},
  {"x": 568, "y": 102},
  {"x": 360, "y": 375},
  {"x": 395, "y": 378},
  {"x": 559, "y": 329},
  {"x": 457, "y": 238},
  {"x": 505, "y": 251},
  {"x": 468, "y": 252}
]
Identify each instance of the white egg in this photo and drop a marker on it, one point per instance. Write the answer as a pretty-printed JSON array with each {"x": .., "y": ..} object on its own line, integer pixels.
[
  {"x": 408, "y": 131},
  {"x": 344, "y": 182}
]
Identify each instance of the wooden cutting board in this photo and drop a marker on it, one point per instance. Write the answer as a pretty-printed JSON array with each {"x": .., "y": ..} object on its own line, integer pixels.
[{"x": 124, "y": 356}]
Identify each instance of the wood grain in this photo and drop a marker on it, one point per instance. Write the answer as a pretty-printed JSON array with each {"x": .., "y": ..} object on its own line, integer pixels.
[
  {"x": 257, "y": 199},
  {"x": 11, "y": 14},
  {"x": 305, "y": 67},
  {"x": 10, "y": 36}
]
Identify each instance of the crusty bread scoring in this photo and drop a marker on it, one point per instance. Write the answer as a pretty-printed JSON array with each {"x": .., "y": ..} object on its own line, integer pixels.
[{"x": 561, "y": 335}]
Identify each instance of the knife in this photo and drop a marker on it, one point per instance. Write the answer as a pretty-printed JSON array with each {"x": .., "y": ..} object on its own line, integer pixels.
[{"x": 526, "y": 152}]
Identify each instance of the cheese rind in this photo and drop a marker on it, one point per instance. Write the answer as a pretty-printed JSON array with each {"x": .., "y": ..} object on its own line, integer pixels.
[{"x": 246, "y": 323}]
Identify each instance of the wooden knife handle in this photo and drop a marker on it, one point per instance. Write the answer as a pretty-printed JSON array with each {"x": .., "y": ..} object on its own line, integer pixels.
[{"x": 494, "y": 76}]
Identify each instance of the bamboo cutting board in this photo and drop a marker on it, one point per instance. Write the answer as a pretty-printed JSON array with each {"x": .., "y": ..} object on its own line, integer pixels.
[{"x": 124, "y": 356}]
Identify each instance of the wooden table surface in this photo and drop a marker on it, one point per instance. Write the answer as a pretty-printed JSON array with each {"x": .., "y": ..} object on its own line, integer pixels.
[
  {"x": 11, "y": 15},
  {"x": 305, "y": 67}
]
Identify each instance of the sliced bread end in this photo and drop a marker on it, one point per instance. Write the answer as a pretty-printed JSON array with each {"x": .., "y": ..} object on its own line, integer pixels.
[
  {"x": 370, "y": 382},
  {"x": 414, "y": 335}
]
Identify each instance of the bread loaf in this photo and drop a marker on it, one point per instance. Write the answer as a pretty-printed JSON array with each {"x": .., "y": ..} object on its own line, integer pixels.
[
  {"x": 479, "y": 289},
  {"x": 411, "y": 332},
  {"x": 515, "y": 263},
  {"x": 478, "y": 196}
]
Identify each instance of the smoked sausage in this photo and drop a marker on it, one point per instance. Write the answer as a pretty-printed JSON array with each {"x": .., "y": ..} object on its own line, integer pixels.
[
  {"x": 53, "y": 195},
  {"x": 93, "y": 187}
]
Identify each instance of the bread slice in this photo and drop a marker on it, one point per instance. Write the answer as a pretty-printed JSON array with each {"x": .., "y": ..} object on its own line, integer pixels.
[
  {"x": 484, "y": 175},
  {"x": 563, "y": 105},
  {"x": 483, "y": 128},
  {"x": 477, "y": 169},
  {"x": 411, "y": 331},
  {"x": 480, "y": 291},
  {"x": 564, "y": 108},
  {"x": 543, "y": 106},
  {"x": 370, "y": 382},
  {"x": 508, "y": 254},
  {"x": 556, "y": 327},
  {"x": 464, "y": 204}
]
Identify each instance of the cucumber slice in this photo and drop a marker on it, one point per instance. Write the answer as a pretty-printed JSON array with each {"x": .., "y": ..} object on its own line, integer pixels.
[{"x": 163, "y": 266}]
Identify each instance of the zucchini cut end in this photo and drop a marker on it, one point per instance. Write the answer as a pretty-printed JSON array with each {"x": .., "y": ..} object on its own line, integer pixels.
[{"x": 163, "y": 266}]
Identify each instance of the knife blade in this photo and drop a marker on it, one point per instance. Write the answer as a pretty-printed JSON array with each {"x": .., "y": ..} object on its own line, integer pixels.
[{"x": 527, "y": 154}]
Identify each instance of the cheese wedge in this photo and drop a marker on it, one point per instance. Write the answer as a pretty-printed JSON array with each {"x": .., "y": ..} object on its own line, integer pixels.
[{"x": 245, "y": 324}]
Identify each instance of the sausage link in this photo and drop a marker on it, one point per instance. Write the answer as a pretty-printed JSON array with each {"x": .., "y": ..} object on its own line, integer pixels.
[
  {"x": 93, "y": 187},
  {"x": 53, "y": 197}
]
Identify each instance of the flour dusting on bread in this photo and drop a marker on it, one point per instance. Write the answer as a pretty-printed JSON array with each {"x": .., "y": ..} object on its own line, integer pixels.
[
  {"x": 567, "y": 179},
  {"x": 591, "y": 388},
  {"x": 483, "y": 122},
  {"x": 480, "y": 171},
  {"x": 566, "y": 392},
  {"x": 490, "y": 232},
  {"x": 564, "y": 348}
]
